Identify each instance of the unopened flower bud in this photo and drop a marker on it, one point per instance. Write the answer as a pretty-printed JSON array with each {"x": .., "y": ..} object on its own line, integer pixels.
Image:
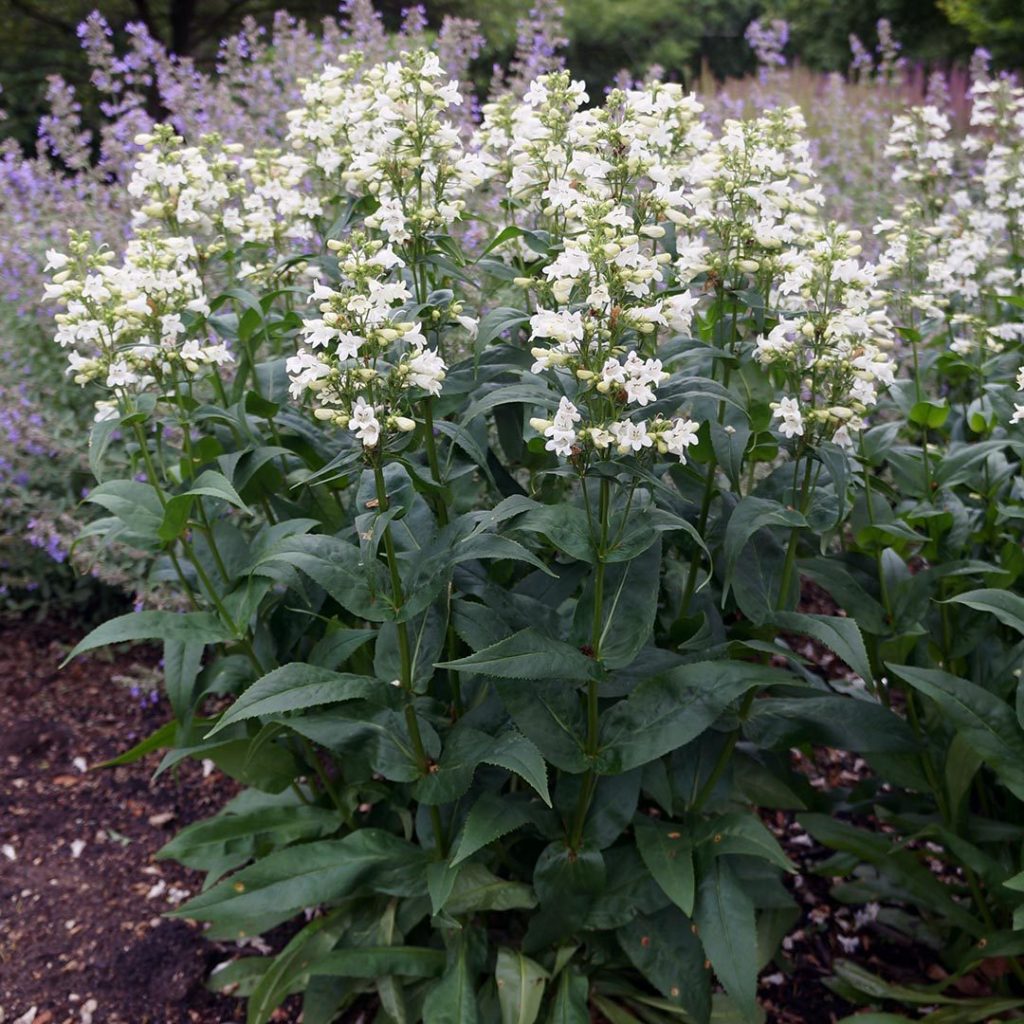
[{"x": 404, "y": 424}]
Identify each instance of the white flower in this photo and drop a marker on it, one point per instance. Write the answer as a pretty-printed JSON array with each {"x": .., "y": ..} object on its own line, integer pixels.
[
  {"x": 561, "y": 433},
  {"x": 560, "y": 326},
  {"x": 681, "y": 435},
  {"x": 303, "y": 369},
  {"x": 630, "y": 436},
  {"x": 363, "y": 422},
  {"x": 425, "y": 369},
  {"x": 788, "y": 410}
]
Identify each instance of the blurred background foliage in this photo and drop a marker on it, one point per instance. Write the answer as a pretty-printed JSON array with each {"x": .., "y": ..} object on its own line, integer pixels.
[{"x": 605, "y": 36}]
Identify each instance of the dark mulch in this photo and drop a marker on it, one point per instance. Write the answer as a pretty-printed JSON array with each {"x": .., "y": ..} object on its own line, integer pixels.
[{"x": 82, "y": 936}]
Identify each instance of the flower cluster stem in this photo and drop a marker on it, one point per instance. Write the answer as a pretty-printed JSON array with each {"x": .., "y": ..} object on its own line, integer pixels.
[
  {"x": 405, "y": 657},
  {"x": 589, "y": 785}
]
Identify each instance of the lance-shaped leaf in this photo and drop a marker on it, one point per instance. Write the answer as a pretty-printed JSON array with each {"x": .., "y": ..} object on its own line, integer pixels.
[
  {"x": 197, "y": 627},
  {"x": 210, "y": 484},
  {"x": 668, "y": 854},
  {"x": 521, "y": 984},
  {"x": 290, "y": 968},
  {"x": 725, "y": 916},
  {"x": 359, "y": 586},
  {"x": 571, "y": 1002},
  {"x": 528, "y": 654},
  {"x": 1007, "y": 607},
  {"x": 491, "y": 817},
  {"x": 665, "y": 950},
  {"x": 296, "y": 686},
  {"x": 749, "y": 516},
  {"x": 453, "y": 999},
  {"x": 292, "y": 879},
  {"x": 986, "y": 723},
  {"x": 668, "y": 711},
  {"x": 373, "y": 962},
  {"x": 840, "y": 635}
]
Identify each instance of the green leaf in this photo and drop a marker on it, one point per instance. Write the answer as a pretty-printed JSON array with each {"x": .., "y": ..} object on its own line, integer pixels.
[
  {"x": 520, "y": 755},
  {"x": 725, "y": 916},
  {"x": 749, "y": 516},
  {"x": 571, "y": 1002},
  {"x": 528, "y": 654},
  {"x": 358, "y": 585},
  {"x": 1007, "y": 607},
  {"x": 838, "y": 634},
  {"x": 197, "y": 627},
  {"x": 297, "y": 877},
  {"x": 204, "y": 844},
  {"x": 453, "y": 999},
  {"x": 165, "y": 736},
  {"x": 929, "y": 414},
  {"x": 667, "y": 711},
  {"x": 550, "y": 715},
  {"x": 134, "y": 503},
  {"x": 374, "y": 962},
  {"x": 182, "y": 661},
  {"x": 465, "y": 440},
  {"x": 628, "y": 609},
  {"x": 743, "y": 834},
  {"x": 986, "y": 723},
  {"x": 296, "y": 686},
  {"x": 177, "y": 510},
  {"x": 849, "y": 723},
  {"x": 665, "y": 950},
  {"x": 337, "y": 647},
  {"x": 565, "y": 526},
  {"x": 530, "y": 394},
  {"x": 521, "y": 984},
  {"x": 502, "y": 319},
  {"x": 668, "y": 855},
  {"x": 477, "y": 889},
  {"x": 568, "y": 881},
  {"x": 290, "y": 968},
  {"x": 491, "y": 817}
]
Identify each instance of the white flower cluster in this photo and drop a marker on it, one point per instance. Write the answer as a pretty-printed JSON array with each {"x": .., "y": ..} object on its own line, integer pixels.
[
  {"x": 364, "y": 361},
  {"x": 386, "y": 131},
  {"x": 750, "y": 194},
  {"x": 667, "y": 437},
  {"x": 956, "y": 236},
  {"x": 555, "y": 157},
  {"x": 132, "y": 324},
  {"x": 222, "y": 198},
  {"x": 834, "y": 347}
]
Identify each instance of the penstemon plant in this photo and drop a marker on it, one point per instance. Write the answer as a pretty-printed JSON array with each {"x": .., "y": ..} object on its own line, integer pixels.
[{"x": 505, "y": 604}]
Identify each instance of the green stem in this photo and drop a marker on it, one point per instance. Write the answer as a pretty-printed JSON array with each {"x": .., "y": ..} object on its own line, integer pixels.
[
  {"x": 589, "y": 784},
  {"x": 432, "y": 460},
  {"x": 794, "y": 536},
  {"x": 405, "y": 658},
  {"x": 702, "y": 522}
]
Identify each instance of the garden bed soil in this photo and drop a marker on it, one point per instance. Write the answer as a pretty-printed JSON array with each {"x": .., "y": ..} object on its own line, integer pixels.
[{"x": 82, "y": 936}]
